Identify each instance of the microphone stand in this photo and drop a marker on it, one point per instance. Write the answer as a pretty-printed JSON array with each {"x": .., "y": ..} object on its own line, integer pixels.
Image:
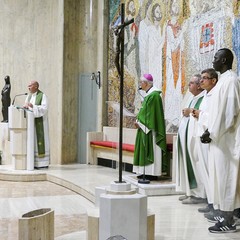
[{"x": 22, "y": 94}]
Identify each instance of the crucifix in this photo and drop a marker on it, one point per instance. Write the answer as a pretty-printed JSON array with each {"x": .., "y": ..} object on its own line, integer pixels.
[{"x": 119, "y": 62}]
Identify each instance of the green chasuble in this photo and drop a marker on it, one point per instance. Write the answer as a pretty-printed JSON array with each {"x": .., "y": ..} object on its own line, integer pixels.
[
  {"x": 152, "y": 116},
  {"x": 39, "y": 128}
]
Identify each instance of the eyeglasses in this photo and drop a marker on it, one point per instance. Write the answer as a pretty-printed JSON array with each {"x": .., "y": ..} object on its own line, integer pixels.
[{"x": 206, "y": 78}]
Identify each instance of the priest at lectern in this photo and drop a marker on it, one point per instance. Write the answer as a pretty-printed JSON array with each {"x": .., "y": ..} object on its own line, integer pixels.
[{"x": 37, "y": 102}]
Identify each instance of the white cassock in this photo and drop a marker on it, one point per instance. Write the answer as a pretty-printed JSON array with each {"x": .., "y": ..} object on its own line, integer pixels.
[
  {"x": 200, "y": 148},
  {"x": 184, "y": 139},
  {"x": 40, "y": 111},
  {"x": 224, "y": 150}
]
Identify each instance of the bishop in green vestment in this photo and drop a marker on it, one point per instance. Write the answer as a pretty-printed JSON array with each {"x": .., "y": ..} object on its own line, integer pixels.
[{"x": 150, "y": 145}]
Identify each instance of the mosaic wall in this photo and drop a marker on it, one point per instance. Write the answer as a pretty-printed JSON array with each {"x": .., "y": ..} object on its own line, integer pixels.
[{"x": 172, "y": 40}]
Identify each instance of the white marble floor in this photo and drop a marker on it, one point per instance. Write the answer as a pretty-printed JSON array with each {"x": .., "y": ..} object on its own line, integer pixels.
[{"x": 173, "y": 220}]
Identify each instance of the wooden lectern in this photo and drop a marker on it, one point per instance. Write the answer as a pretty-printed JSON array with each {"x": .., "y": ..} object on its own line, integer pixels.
[{"x": 21, "y": 126}]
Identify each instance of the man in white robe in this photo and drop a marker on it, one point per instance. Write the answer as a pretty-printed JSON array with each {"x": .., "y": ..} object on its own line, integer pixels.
[
  {"x": 187, "y": 179},
  {"x": 224, "y": 148},
  {"x": 37, "y": 102},
  {"x": 208, "y": 81}
]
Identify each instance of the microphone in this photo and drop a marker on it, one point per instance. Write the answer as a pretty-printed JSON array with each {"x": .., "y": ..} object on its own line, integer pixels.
[
  {"x": 139, "y": 88},
  {"x": 22, "y": 94}
]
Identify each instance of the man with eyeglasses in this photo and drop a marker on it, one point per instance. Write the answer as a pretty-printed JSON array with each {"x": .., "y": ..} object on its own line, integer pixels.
[{"x": 209, "y": 78}]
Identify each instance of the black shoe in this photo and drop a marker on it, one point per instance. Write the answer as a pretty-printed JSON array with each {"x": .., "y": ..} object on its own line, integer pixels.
[
  {"x": 206, "y": 209},
  {"x": 193, "y": 200},
  {"x": 151, "y": 178},
  {"x": 209, "y": 214},
  {"x": 213, "y": 216},
  {"x": 181, "y": 198},
  {"x": 39, "y": 168},
  {"x": 148, "y": 177},
  {"x": 222, "y": 227},
  {"x": 236, "y": 221},
  {"x": 236, "y": 212}
]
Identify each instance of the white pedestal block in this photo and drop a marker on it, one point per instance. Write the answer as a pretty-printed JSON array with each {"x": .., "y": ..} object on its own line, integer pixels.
[
  {"x": 98, "y": 192},
  {"x": 21, "y": 126},
  {"x": 123, "y": 214},
  {"x": 120, "y": 187}
]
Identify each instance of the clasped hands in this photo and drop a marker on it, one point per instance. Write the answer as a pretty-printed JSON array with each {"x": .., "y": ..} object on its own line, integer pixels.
[
  {"x": 28, "y": 105},
  {"x": 186, "y": 112}
]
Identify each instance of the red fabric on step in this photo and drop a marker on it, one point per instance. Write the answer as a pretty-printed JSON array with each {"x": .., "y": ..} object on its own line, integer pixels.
[{"x": 109, "y": 144}]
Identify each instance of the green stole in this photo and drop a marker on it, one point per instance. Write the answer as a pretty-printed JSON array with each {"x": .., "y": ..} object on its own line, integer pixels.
[
  {"x": 152, "y": 116},
  {"x": 39, "y": 127},
  {"x": 191, "y": 177}
]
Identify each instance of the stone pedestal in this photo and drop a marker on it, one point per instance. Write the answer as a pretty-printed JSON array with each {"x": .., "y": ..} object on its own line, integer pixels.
[
  {"x": 123, "y": 212},
  {"x": 93, "y": 224},
  {"x": 38, "y": 224}
]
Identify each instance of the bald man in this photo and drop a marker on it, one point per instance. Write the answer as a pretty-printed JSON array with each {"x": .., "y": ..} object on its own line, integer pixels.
[{"x": 37, "y": 102}]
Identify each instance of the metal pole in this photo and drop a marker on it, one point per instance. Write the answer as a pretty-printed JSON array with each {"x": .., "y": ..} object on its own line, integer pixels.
[{"x": 121, "y": 93}]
